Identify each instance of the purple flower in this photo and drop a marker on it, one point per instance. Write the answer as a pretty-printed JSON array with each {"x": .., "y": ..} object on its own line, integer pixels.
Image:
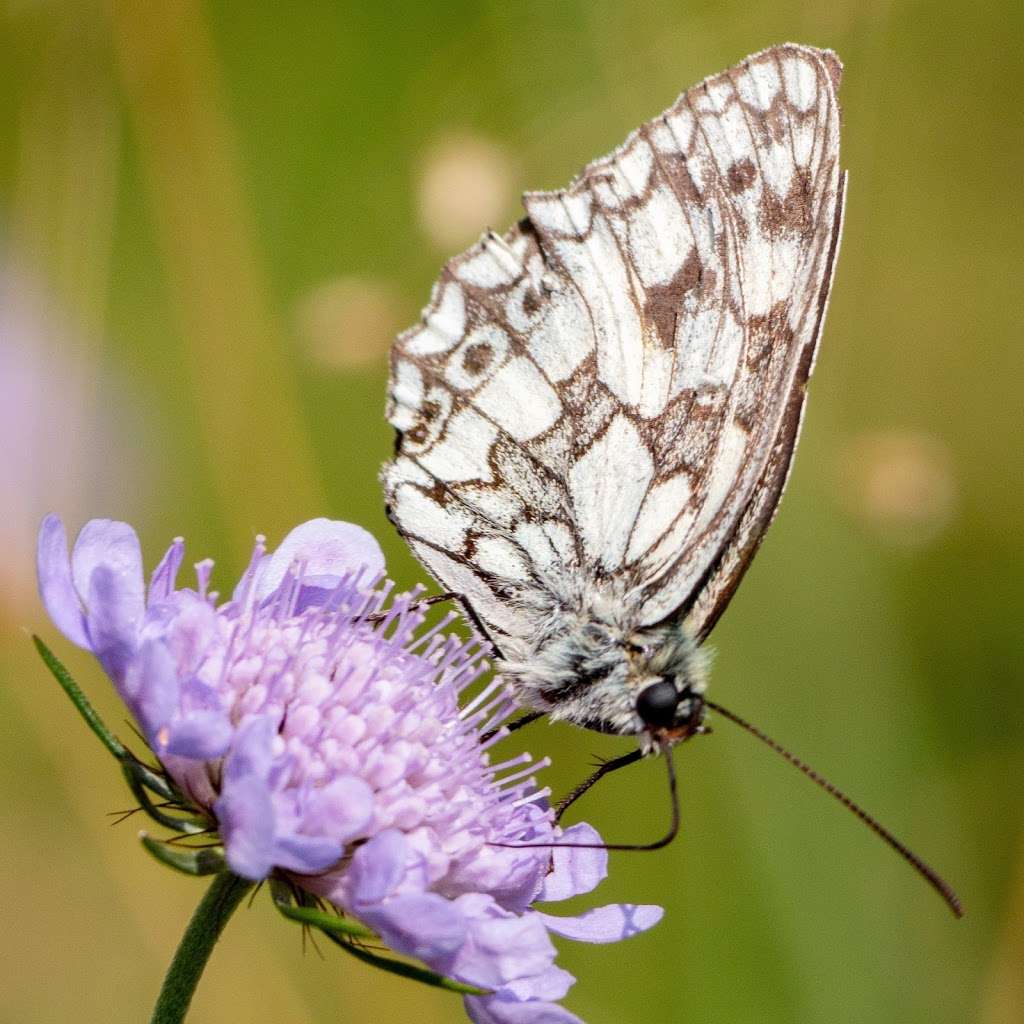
[{"x": 320, "y": 732}]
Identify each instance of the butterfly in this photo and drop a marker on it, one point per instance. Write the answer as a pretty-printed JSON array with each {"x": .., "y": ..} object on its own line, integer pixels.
[{"x": 597, "y": 414}]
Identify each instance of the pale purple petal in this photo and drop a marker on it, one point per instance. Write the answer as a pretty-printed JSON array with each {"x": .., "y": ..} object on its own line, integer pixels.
[
  {"x": 512, "y": 877},
  {"x": 252, "y": 752},
  {"x": 322, "y": 548},
  {"x": 152, "y": 690},
  {"x": 56, "y": 587},
  {"x": 201, "y": 735},
  {"x": 551, "y": 984},
  {"x": 165, "y": 575},
  {"x": 245, "y": 819},
  {"x": 575, "y": 871},
  {"x": 112, "y": 620},
  {"x": 199, "y": 696},
  {"x": 422, "y": 925},
  {"x": 342, "y": 809},
  {"x": 114, "y": 545},
  {"x": 606, "y": 924},
  {"x": 502, "y": 946},
  {"x": 378, "y": 867},
  {"x": 500, "y": 1009},
  {"x": 308, "y": 855}
]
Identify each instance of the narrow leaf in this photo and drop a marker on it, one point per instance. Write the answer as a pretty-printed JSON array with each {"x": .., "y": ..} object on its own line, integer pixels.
[
  {"x": 342, "y": 932},
  {"x": 208, "y": 860},
  {"x": 326, "y": 922},
  {"x": 406, "y": 970},
  {"x": 188, "y": 823},
  {"x": 85, "y": 709},
  {"x": 152, "y": 780}
]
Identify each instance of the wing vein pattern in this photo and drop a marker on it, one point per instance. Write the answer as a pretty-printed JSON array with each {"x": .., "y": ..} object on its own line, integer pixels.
[{"x": 607, "y": 398}]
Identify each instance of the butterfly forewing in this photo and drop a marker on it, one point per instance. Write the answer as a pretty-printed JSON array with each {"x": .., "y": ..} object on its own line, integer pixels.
[{"x": 610, "y": 393}]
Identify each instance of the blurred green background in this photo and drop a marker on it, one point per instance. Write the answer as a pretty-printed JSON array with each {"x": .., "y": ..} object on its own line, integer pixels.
[{"x": 213, "y": 217}]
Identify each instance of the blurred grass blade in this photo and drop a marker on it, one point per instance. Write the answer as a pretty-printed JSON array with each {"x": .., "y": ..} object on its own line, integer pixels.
[
  {"x": 261, "y": 466},
  {"x": 79, "y": 699},
  {"x": 208, "y": 860}
]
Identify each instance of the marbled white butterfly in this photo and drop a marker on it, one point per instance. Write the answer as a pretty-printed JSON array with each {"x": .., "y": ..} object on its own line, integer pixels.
[{"x": 597, "y": 413}]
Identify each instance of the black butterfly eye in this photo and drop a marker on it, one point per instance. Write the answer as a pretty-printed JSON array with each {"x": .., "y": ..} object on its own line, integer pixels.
[{"x": 656, "y": 704}]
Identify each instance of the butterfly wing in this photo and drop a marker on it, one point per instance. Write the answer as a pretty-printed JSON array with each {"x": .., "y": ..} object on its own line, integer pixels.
[{"x": 609, "y": 394}]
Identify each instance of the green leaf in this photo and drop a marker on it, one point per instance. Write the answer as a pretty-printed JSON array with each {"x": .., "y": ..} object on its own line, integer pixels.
[
  {"x": 407, "y": 970},
  {"x": 189, "y": 823},
  {"x": 326, "y": 922},
  {"x": 342, "y": 932},
  {"x": 190, "y": 860},
  {"x": 85, "y": 709},
  {"x": 152, "y": 780}
]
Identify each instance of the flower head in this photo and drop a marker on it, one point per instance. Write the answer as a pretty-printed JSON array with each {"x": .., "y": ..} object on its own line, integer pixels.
[{"x": 318, "y": 728}]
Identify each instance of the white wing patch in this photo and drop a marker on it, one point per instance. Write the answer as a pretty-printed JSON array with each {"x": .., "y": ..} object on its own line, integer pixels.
[
  {"x": 443, "y": 326},
  {"x": 520, "y": 400},
  {"x": 608, "y": 485},
  {"x": 606, "y": 399}
]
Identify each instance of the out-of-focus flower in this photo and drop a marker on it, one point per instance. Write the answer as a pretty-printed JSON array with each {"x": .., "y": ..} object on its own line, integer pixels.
[
  {"x": 350, "y": 321},
  {"x": 466, "y": 181},
  {"x": 60, "y": 413},
  {"x": 319, "y": 732},
  {"x": 901, "y": 485}
]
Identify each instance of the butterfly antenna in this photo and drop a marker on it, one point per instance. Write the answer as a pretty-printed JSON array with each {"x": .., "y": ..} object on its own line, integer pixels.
[{"x": 939, "y": 884}]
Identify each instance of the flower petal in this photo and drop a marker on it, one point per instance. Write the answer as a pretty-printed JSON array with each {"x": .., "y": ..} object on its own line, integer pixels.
[
  {"x": 574, "y": 871},
  {"x": 162, "y": 582},
  {"x": 307, "y": 855},
  {"x": 502, "y": 946},
  {"x": 553, "y": 983},
  {"x": 499, "y": 1009},
  {"x": 106, "y": 566},
  {"x": 252, "y": 752},
  {"x": 198, "y": 696},
  {"x": 56, "y": 588},
  {"x": 606, "y": 924},
  {"x": 424, "y": 925},
  {"x": 323, "y": 548},
  {"x": 245, "y": 818},
  {"x": 378, "y": 867},
  {"x": 106, "y": 542},
  {"x": 201, "y": 735},
  {"x": 152, "y": 690},
  {"x": 112, "y": 623}
]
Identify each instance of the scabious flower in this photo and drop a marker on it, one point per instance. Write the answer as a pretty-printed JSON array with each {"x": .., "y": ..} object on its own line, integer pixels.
[{"x": 318, "y": 729}]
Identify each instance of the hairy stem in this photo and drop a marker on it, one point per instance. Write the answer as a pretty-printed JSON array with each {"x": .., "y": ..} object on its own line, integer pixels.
[{"x": 219, "y": 903}]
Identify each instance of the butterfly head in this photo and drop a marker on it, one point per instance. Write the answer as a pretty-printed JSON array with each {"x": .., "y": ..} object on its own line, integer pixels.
[{"x": 670, "y": 712}]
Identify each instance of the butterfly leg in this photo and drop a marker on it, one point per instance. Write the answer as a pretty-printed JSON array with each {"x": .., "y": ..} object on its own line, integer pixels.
[
  {"x": 517, "y": 724},
  {"x": 425, "y": 602},
  {"x": 606, "y": 768},
  {"x": 448, "y": 595}
]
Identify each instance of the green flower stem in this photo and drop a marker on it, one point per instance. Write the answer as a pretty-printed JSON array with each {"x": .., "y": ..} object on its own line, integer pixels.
[{"x": 219, "y": 903}]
